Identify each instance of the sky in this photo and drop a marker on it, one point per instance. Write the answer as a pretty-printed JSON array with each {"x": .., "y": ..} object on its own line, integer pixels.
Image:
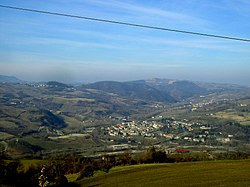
[{"x": 39, "y": 47}]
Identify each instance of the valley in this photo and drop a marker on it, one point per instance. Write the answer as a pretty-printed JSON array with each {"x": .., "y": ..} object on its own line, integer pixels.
[{"x": 108, "y": 117}]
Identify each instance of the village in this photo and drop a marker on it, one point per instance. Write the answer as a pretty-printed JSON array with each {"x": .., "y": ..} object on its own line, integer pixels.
[{"x": 167, "y": 130}]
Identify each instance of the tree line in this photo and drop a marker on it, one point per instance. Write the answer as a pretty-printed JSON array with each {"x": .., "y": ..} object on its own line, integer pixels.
[{"x": 52, "y": 170}]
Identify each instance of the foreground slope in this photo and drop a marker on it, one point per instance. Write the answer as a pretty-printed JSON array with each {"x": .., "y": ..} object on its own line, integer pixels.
[{"x": 213, "y": 173}]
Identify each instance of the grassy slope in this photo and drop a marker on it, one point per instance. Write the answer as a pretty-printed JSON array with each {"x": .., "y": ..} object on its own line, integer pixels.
[{"x": 217, "y": 173}]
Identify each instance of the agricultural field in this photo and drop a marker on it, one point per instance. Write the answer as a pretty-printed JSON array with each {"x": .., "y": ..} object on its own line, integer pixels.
[
  {"x": 243, "y": 119},
  {"x": 238, "y": 111},
  {"x": 213, "y": 173},
  {"x": 212, "y": 111}
]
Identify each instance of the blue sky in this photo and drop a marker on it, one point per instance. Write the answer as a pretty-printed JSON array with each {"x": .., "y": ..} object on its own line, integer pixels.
[{"x": 42, "y": 47}]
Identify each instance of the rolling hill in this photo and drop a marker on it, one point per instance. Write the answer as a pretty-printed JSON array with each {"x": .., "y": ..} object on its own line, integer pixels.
[
  {"x": 134, "y": 90},
  {"x": 33, "y": 112},
  {"x": 177, "y": 89},
  {"x": 216, "y": 173},
  {"x": 158, "y": 90}
]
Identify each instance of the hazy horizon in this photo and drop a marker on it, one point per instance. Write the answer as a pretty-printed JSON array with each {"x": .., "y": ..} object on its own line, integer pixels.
[
  {"x": 39, "y": 47},
  {"x": 128, "y": 80}
]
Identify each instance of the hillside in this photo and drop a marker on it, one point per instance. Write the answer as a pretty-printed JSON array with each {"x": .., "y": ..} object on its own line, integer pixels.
[
  {"x": 10, "y": 79},
  {"x": 37, "y": 112},
  {"x": 160, "y": 90},
  {"x": 58, "y": 116},
  {"x": 177, "y": 89},
  {"x": 133, "y": 89},
  {"x": 215, "y": 173}
]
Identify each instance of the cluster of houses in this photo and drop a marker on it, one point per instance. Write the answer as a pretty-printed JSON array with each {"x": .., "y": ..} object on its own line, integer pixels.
[
  {"x": 168, "y": 129},
  {"x": 195, "y": 106},
  {"x": 132, "y": 128}
]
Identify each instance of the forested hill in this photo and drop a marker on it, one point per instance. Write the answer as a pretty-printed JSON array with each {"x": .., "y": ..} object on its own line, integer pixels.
[{"x": 136, "y": 90}]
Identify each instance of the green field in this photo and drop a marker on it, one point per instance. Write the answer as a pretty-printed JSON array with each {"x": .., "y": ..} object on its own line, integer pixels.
[
  {"x": 233, "y": 115},
  {"x": 213, "y": 173}
]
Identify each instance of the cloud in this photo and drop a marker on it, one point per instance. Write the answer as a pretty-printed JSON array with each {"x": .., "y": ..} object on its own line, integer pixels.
[
  {"x": 70, "y": 43},
  {"x": 59, "y": 42},
  {"x": 164, "y": 41},
  {"x": 138, "y": 10}
]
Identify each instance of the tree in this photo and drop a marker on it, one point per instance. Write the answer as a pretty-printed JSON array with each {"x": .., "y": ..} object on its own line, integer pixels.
[
  {"x": 154, "y": 156},
  {"x": 124, "y": 159},
  {"x": 88, "y": 171},
  {"x": 160, "y": 156},
  {"x": 107, "y": 163},
  {"x": 12, "y": 173},
  {"x": 2, "y": 171}
]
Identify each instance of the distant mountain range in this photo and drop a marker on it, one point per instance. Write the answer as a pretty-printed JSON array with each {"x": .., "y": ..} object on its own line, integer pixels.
[
  {"x": 161, "y": 90},
  {"x": 156, "y": 90},
  {"x": 133, "y": 90}
]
